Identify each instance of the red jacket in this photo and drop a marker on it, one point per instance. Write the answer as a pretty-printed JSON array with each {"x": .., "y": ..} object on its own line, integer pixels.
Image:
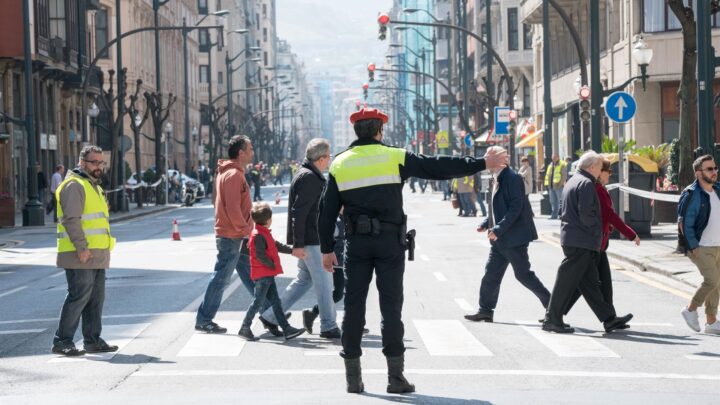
[
  {"x": 610, "y": 218},
  {"x": 264, "y": 255}
]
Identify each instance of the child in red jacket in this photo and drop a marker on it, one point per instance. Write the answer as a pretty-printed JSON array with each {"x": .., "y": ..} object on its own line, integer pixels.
[{"x": 264, "y": 266}]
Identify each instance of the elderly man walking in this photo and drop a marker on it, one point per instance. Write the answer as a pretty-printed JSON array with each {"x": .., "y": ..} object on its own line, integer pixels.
[
  {"x": 581, "y": 240},
  {"x": 302, "y": 234}
]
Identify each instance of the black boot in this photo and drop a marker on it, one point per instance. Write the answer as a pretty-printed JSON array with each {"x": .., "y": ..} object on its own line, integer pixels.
[
  {"x": 353, "y": 376},
  {"x": 397, "y": 384}
]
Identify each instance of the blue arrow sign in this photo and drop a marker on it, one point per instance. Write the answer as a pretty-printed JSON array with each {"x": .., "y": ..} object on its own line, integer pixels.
[
  {"x": 469, "y": 139},
  {"x": 620, "y": 107},
  {"x": 502, "y": 120}
]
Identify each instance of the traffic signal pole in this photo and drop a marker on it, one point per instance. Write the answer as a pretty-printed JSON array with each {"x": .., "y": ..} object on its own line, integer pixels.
[{"x": 707, "y": 61}]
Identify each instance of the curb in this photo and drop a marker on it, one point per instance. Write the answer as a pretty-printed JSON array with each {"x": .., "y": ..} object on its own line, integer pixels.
[{"x": 143, "y": 213}]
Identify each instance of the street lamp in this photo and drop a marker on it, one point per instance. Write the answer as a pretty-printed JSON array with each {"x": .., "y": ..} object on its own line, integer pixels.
[
  {"x": 642, "y": 55},
  {"x": 138, "y": 120},
  {"x": 93, "y": 111},
  {"x": 415, "y": 10},
  {"x": 168, "y": 133}
]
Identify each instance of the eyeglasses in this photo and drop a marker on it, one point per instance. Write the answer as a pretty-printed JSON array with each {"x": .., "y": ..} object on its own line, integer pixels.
[
  {"x": 710, "y": 169},
  {"x": 96, "y": 162}
]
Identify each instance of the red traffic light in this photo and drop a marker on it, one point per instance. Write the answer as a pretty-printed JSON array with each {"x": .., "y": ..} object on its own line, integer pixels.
[
  {"x": 357, "y": 103},
  {"x": 513, "y": 115},
  {"x": 371, "y": 67},
  {"x": 365, "y": 86},
  {"x": 383, "y": 18},
  {"x": 584, "y": 92}
]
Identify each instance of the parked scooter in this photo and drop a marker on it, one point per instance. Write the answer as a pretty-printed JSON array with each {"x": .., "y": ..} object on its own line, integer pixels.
[{"x": 189, "y": 193}]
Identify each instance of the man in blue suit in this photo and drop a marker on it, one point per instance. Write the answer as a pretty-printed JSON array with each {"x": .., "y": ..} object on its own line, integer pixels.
[{"x": 510, "y": 228}]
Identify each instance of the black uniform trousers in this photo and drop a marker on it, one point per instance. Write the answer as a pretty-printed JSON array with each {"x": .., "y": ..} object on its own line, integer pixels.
[
  {"x": 606, "y": 287},
  {"x": 384, "y": 255},
  {"x": 579, "y": 269},
  {"x": 495, "y": 270}
]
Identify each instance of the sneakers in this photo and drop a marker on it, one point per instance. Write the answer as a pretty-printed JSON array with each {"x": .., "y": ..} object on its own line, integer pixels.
[
  {"x": 246, "y": 334},
  {"x": 331, "y": 334},
  {"x": 211, "y": 327},
  {"x": 713, "y": 328},
  {"x": 271, "y": 327},
  {"x": 100, "y": 347},
  {"x": 691, "y": 318},
  {"x": 291, "y": 332},
  {"x": 69, "y": 351},
  {"x": 308, "y": 318}
]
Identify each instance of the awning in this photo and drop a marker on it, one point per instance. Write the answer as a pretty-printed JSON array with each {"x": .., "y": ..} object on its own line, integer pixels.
[
  {"x": 646, "y": 164},
  {"x": 530, "y": 141},
  {"x": 484, "y": 137}
]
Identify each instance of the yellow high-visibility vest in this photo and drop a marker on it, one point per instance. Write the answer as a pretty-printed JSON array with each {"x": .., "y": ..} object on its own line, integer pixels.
[
  {"x": 559, "y": 167},
  {"x": 366, "y": 166},
  {"x": 95, "y": 219}
]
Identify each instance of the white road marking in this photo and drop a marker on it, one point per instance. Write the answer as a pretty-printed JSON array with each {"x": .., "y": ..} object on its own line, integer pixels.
[
  {"x": 2, "y": 273},
  {"x": 215, "y": 345},
  {"x": 569, "y": 345},
  {"x": 425, "y": 258},
  {"x": 58, "y": 274},
  {"x": 325, "y": 349},
  {"x": 464, "y": 305},
  {"x": 435, "y": 372},
  {"x": 119, "y": 335},
  {"x": 439, "y": 276},
  {"x": 449, "y": 338},
  {"x": 660, "y": 324},
  {"x": 21, "y": 331},
  {"x": 14, "y": 290},
  {"x": 120, "y": 316},
  {"x": 193, "y": 306},
  {"x": 712, "y": 357}
]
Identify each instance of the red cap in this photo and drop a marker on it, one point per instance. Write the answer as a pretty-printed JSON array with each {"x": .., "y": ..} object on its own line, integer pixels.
[{"x": 368, "y": 113}]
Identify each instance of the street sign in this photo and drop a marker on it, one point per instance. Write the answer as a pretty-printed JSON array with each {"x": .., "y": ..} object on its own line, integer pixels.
[
  {"x": 443, "y": 139},
  {"x": 620, "y": 107},
  {"x": 502, "y": 119},
  {"x": 469, "y": 139}
]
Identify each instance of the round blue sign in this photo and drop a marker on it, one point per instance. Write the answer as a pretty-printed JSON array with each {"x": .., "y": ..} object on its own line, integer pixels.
[
  {"x": 468, "y": 140},
  {"x": 620, "y": 107}
]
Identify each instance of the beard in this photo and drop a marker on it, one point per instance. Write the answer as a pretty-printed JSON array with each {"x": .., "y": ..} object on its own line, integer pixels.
[
  {"x": 97, "y": 173},
  {"x": 710, "y": 179}
]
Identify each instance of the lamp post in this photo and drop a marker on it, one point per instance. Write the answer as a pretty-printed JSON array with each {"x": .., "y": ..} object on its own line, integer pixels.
[{"x": 168, "y": 134}]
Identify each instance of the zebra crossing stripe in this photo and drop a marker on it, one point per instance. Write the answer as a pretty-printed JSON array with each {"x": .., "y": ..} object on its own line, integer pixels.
[
  {"x": 569, "y": 345},
  {"x": 119, "y": 335},
  {"x": 449, "y": 338},
  {"x": 215, "y": 345}
]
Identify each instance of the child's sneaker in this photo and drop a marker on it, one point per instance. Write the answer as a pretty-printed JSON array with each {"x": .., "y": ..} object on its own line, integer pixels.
[
  {"x": 713, "y": 328},
  {"x": 691, "y": 318},
  {"x": 291, "y": 332},
  {"x": 246, "y": 334}
]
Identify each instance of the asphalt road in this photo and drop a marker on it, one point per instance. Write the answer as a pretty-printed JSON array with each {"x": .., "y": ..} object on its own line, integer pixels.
[{"x": 155, "y": 284}]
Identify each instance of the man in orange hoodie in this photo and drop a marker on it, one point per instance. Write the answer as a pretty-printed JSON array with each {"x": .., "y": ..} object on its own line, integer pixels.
[{"x": 233, "y": 225}]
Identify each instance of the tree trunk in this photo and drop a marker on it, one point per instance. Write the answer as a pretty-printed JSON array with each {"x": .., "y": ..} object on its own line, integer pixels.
[{"x": 687, "y": 92}]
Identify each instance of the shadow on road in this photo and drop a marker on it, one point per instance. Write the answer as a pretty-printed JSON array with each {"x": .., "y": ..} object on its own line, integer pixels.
[{"x": 416, "y": 398}]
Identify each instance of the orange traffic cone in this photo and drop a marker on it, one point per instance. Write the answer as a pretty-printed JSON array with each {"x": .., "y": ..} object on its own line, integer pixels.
[
  {"x": 277, "y": 198},
  {"x": 176, "y": 231}
]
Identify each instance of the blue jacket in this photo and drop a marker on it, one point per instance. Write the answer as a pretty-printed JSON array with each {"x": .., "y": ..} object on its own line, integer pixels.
[
  {"x": 514, "y": 225},
  {"x": 694, "y": 213}
]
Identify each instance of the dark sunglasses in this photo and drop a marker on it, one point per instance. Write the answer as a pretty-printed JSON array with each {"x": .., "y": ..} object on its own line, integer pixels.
[{"x": 710, "y": 169}]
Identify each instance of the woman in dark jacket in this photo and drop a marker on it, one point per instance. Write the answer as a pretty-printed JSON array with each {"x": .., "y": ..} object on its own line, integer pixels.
[{"x": 610, "y": 220}]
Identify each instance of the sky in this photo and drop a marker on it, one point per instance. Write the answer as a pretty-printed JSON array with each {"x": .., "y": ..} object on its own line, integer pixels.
[{"x": 337, "y": 37}]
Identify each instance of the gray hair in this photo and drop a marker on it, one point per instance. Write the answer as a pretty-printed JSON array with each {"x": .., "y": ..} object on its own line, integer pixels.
[
  {"x": 495, "y": 149},
  {"x": 88, "y": 149},
  {"x": 589, "y": 159},
  {"x": 317, "y": 148}
]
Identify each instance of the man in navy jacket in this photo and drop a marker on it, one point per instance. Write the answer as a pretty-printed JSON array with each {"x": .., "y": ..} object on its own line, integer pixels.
[{"x": 510, "y": 228}]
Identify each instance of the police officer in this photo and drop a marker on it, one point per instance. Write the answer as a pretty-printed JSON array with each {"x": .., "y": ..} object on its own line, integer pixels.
[{"x": 367, "y": 180}]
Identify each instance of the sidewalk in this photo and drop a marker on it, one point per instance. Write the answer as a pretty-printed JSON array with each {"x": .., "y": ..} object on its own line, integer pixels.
[{"x": 133, "y": 212}]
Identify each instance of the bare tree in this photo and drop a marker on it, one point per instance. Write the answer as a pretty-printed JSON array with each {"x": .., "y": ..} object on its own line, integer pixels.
[
  {"x": 217, "y": 123},
  {"x": 107, "y": 99},
  {"x": 134, "y": 111},
  {"x": 159, "y": 114}
]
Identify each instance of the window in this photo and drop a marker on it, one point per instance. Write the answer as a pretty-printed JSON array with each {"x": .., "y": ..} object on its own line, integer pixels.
[
  {"x": 512, "y": 16},
  {"x": 57, "y": 19},
  {"x": 202, "y": 7},
  {"x": 204, "y": 40},
  {"x": 526, "y": 97},
  {"x": 265, "y": 58},
  {"x": 220, "y": 77},
  {"x": 204, "y": 74},
  {"x": 101, "y": 32},
  {"x": 527, "y": 36},
  {"x": 264, "y": 8},
  {"x": 265, "y": 35},
  {"x": 658, "y": 17},
  {"x": 257, "y": 20}
]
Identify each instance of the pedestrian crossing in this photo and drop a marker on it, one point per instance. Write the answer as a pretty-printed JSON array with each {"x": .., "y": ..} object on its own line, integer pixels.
[{"x": 451, "y": 338}]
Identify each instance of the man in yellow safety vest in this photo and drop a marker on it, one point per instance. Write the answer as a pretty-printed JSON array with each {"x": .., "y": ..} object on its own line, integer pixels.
[{"x": 555, "y": 178}]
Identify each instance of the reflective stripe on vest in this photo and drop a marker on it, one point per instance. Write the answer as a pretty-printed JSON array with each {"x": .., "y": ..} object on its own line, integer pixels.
[
  {"x": 366, "y": 166},
  {"x": 94, "y": 219},
  {"x": 557, "y": 173}
]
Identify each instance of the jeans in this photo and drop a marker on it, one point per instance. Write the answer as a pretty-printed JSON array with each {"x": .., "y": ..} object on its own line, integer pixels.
[
  {"x": 447, "y": 193},
  {"x": 481, "y": 202},
  {"x": 265, "y": 292},
  {"x": 555, "y": 201},
  {"x": 466, "y": 203},
  {"x": 228, "y": 259},
  {"x": 311, "y": 274},
  {"x": 85, "y": 298}
]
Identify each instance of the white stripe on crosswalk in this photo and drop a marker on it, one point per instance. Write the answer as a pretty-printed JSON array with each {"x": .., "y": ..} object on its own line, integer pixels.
[
  {"x": 21, "y": 331},
  {"x": 569, "y": 345},
  {"x": 464, "y": 305},
  {"x": 14, "y": 290},
  {"x": 215, "y": 345},
  {"x": 119, "y": 335},
  {"x": 449, "y": 338},
  {"x": 708, "y": 357},
  {"x": 425, "y": 258},
  {"x": 439, "y": 276}
]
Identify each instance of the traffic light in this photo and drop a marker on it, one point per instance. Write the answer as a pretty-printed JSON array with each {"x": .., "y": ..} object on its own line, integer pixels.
[
  {"x": 585, "y": 110},
  {"x": 357, "y": 105},
  {"x": 383, "y": 20},
  {"x": 371, "y": 72},
  {"x": 365, "y": 87}
]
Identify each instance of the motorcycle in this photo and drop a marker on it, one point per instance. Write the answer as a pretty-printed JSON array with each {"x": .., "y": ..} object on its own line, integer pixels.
[{"x": 189, "y": 193}]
